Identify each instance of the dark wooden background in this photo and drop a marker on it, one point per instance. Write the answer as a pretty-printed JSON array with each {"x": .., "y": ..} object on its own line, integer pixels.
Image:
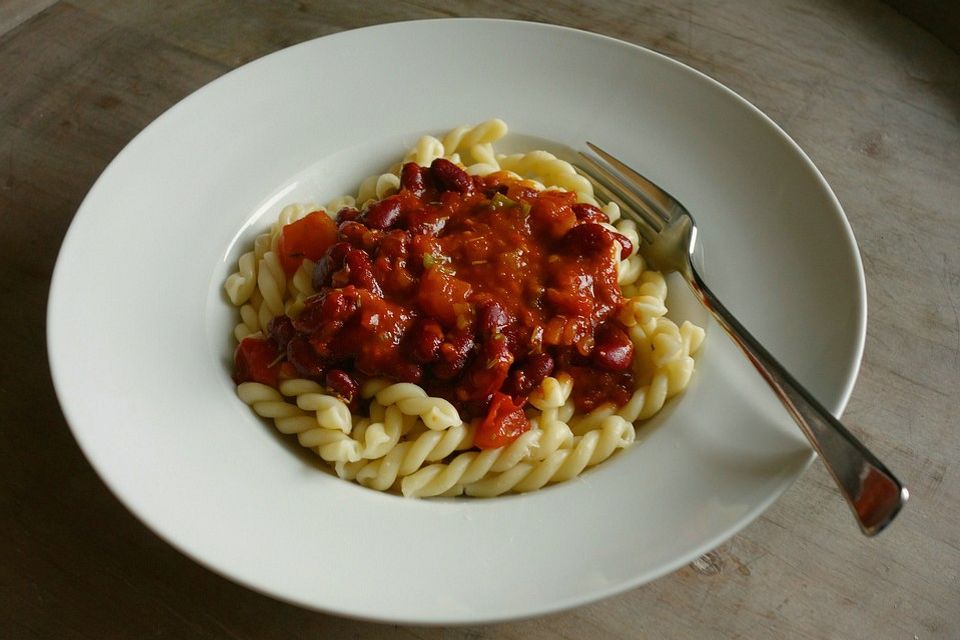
[{"x": 872, "y": 97}]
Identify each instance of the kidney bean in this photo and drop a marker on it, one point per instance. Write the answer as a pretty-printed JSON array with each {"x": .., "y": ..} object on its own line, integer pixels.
[
  {"x": 413, "y": 179},
  {"x": 347, "y": 214},
  {"x": 339, "y": 305},
  {"x": 352, "y": 232},
  {"x": 519, "y": 339},
  {"x": 526, "y": 376},
  {"x": 475, "y": 407},
  {"x": 383, "y": 214},
  {"x": 331, "y": 261},
  {"x": 342, "y": 384},
  {"x": 491, "y": 318},
  {"x": 626, "y": 247},
  {"x": 304, "y": 358},
  {"x": 589, "y": 213},
  {"x": 361, "y": 271},
  {"x": 450, "y": 177},
  {"x": 281, "y": 329},
  {"x": 453, "y": 356},
  {"x": 487, "y": 371},
  {"x": 370, "y": 242},
  {"x": 341, "y": 342},
  {"x": 588, "y": 239},
  {"x": 406, "y": 372},
  {"x": 425, "y": 340},
  {"x": 612, "y": 350},
  {"x": 394, "y": 244}
]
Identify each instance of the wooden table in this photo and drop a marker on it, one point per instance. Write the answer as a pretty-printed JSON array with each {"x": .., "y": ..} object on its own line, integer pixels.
[{"x": 870, "y": 96}]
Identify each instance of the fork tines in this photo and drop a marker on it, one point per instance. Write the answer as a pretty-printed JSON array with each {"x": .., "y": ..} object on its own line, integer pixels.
[{"x": 610, "y": 179}]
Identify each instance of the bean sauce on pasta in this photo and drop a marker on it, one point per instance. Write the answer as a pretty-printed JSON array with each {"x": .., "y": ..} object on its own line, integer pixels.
[
  {"x": 471, "y": 323},
  {"x": 468, "y": 286}
]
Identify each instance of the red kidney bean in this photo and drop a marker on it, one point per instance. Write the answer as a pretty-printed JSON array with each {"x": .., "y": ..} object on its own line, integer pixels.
[
  {"x": 450, "y": 177},
  {"x": 476, "y": 407},
  {"x": 347, "y": 214},
  {"x": 370, "y": 242},
  {"x": 413, "y": 179},
  {"x": 343, "y": 385},
  {"x": 383, "y": 214},
  {"x": 626, "y": 247},
  {"x": 341, "y": 342},
  {"x": 527, "y": 375},
  {"x": 519, "y": 339},
  {"x": 339, "y": 305},
  {"x": 487, "y": 372},
  {"x": 352, "y": 232},
  {"x": 361, "y": 271},
  {"x": 281, "y": 329},
  {"x": 612, "y": 350},
  {"x": 589, "y": 213},
  {"x": 304, "y": 358},
  {"x": 425, "y": 338},
  {"x": 588, "y": 239},
  {"x": 331, "y": 261},
  {"x": 394, "y": 244},
  {"x": 491, "y": 318},
  {"x": 453, "y": 356},
  {"x": 406, "y": 372}
]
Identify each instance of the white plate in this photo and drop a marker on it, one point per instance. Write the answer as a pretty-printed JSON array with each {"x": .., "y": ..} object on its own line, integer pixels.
[{"x": 139, "y": 328}]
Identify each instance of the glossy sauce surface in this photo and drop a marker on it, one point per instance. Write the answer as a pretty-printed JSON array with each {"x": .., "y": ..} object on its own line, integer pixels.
[{"x": 474, "y": 288}]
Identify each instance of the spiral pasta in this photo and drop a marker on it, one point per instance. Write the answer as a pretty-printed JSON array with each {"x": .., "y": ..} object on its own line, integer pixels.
[
  {"x": 613, "y": 433},
  {"x": 378, "y": 187},
  {"x": 552, "y": 393},
  {"x": 436, "y": 413},
  {"x": 647, "y": 302},
  {"x": 407, "y": 457},
  {"x": 419, "y": 445},
  {"x": 333, "y": 445},
  {"x": 468, "y": 467},
  {"x": 241, "y": 284}
]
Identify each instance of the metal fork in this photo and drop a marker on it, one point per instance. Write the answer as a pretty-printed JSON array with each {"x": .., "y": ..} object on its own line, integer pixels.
[{"x": 670, "y": 234}]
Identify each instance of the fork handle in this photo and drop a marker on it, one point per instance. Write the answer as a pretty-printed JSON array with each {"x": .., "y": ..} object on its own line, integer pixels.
[{"x": 874, "y": 494}]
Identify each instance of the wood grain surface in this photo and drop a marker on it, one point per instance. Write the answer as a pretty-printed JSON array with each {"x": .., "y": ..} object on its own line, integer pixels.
[{"x": 873, "y": 99}]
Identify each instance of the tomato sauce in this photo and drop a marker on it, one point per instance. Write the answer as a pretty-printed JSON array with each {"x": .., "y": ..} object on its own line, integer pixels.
[{"x": 475, "y": 288}]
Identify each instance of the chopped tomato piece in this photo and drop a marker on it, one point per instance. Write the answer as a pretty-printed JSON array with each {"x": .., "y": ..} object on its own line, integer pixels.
[
  {"x": 444, "y": 296},
  {"x": 552, "y": 214},
  {"x": 309, "y": 237},
  {"x": 256, "y": 360},
  {"x": 505, "y": 422}
]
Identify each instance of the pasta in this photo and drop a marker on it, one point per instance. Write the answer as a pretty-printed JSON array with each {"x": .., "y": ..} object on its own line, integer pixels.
[
  {"x": 386, "y": 432},
  {"x": 594, "y": 447}
]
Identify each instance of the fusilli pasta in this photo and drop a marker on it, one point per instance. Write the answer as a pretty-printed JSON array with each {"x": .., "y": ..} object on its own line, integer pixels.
[{"x": 418, "y": 444}]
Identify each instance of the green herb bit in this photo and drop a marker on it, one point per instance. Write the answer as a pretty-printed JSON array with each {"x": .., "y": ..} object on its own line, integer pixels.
[{"x": 501, "y": 201}]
